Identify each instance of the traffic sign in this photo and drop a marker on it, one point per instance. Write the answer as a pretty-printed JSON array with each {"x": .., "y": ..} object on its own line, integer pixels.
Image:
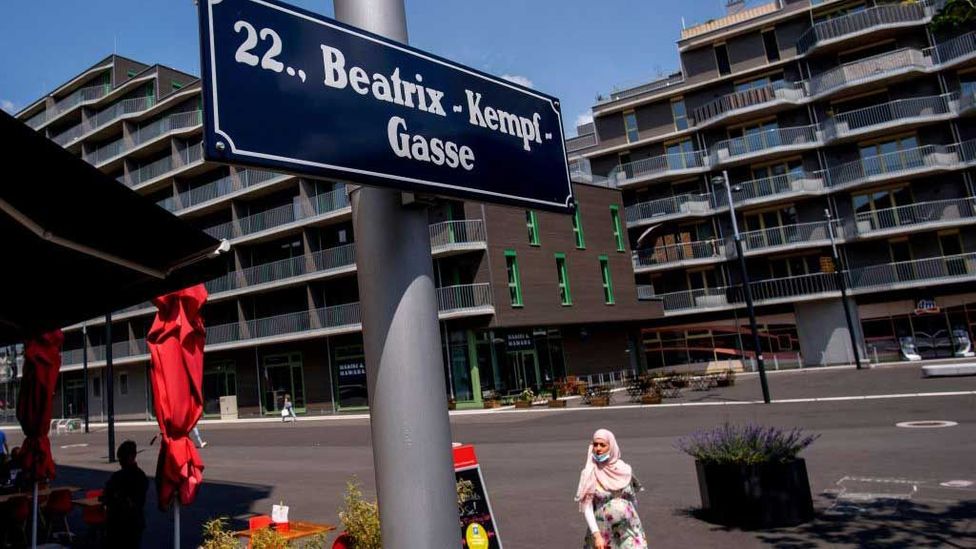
[{"x": 291, "y": 90}]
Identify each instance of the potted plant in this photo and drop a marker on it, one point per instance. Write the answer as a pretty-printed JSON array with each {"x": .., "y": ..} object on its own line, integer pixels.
[
  {"x": 751, "y": 476},
  {"x": 601, "y": 398},
  {"x": 556, "y": 402},
  {"x": 360, "y": 519},
  {"x": 650, "y": 396},
  {"x": 525, "y": 398}
]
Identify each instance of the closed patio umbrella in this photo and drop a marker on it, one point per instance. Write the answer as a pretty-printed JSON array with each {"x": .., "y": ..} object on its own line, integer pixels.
[
  {"x": 176, "y": 341},
  {"x": 42, "y": 360}
]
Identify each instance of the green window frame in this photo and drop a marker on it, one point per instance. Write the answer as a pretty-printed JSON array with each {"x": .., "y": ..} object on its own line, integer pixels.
[
  {"x": 131, "y": 73},
  {"x": 578, "y": 230},
  {"x": 607, "y": 280},
  {"x": 618, "y": 230},
  {"x": 177, "y": 85},
  {"x": 562, "y": 277},
  {"x": 532, "y": 224},
  {"x": 514, "y": 279}
]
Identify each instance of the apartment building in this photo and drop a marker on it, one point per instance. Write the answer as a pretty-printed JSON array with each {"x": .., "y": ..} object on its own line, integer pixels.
[
  {"x": 852, "y": 107},
  {"x": 524, "y": 296}
]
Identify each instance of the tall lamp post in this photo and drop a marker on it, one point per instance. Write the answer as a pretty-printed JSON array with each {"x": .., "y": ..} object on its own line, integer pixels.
[
  {"x": 842, "y": 283},
  {"x": 746, "y": 287}
]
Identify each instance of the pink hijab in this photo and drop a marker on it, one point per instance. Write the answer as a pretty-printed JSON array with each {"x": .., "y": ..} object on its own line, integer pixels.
[{"x": 612, "y": 474}]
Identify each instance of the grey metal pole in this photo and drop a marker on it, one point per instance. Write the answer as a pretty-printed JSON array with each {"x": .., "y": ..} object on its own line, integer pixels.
[
  {"x": 746, "y": 290},
  {"x": 84, "y": 368},
  {"x": 109, "y": 388},
  {"x": 842, "y": 282},
  {"x": 411, "y": 431}
]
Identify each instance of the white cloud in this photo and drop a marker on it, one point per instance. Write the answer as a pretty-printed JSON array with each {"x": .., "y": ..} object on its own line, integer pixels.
[
  {"x": 584, "y": 118},
  {"x": 7, "y": 105},
  {"x": 518, "y": 79}
]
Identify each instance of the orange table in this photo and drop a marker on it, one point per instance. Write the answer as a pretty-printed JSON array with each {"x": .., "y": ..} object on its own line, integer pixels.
[
  {"x": 87, "y": 502},
  {"x": 297, "y": 529},
  {"x": 44, "y": 492}
]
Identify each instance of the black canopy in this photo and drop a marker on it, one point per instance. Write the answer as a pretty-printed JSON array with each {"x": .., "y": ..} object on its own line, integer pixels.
[{"x": 77, "y": 244}]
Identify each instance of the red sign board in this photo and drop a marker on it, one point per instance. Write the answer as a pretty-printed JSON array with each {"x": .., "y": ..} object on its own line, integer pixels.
[{"x": 478, "y": 530}]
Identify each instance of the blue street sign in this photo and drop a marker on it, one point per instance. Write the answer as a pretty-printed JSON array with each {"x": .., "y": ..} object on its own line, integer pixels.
[{"x": 291, "y": 90}]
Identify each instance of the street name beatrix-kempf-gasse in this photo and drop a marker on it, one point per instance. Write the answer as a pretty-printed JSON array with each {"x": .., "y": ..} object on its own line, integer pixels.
[{"x": 415, "y": 95}]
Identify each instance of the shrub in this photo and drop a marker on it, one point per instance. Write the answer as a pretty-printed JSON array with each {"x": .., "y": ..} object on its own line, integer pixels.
[
  {"x": 360, "y": 518},
  {"x": 216, "y": 535},
  {"x": 746, "y": 444},
  {"x": 526, "y": 395}
]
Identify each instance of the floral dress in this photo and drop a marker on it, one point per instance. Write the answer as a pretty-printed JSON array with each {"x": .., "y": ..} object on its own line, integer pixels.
[{"x": 616, "y": 517}]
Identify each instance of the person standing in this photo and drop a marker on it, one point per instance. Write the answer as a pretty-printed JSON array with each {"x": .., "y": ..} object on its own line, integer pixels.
[
  {"x": 607, "y": 497},
  {"x": 3, "y": 444},
  {"x": 288, "y": 410},
  {"x": 125, "y": 499}
]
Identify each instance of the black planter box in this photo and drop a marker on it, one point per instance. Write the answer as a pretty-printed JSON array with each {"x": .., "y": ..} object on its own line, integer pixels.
[{"x": 756, "y": 496}]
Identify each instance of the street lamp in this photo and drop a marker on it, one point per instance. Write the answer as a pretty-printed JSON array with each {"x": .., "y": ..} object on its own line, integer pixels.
[
  {"x": 842, "y": 283},
  {"x": 746, "y": 287}
]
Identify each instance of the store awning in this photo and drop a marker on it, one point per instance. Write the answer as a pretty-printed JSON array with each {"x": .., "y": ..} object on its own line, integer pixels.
[{"x": 77, "y": 244}]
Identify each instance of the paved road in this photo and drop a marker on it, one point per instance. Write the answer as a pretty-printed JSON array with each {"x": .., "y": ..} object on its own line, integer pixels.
[{"x": 875, "y": 484}]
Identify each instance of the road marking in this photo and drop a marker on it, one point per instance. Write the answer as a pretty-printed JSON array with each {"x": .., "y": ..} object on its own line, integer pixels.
[
  {"x": 956, "y": 483},
  {"x": 927, "y": 424},
  {"x": 81, "y": 445}
]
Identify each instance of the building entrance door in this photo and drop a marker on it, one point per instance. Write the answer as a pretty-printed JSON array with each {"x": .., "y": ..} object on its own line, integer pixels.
[
  {"x": 218, "y": 380},
  {"x": 932, "y": 336},
  {"x": 74, "y": 396},
  {"x": 283, "y": 376},
  {"x": 525, "y": 365}
]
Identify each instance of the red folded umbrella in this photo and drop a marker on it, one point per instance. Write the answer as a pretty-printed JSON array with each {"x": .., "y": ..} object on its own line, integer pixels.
[
  {"x": 42, "y": 360},
  {"x": 176, "y": 341}
]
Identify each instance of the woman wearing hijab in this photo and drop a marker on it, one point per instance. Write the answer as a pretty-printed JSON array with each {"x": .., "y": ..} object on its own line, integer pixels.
[{"x": 607, "y": 497}]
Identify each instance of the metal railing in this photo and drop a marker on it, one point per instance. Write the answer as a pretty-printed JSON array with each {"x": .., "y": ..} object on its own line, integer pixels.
[
  {"x": 70, "y": 134},
  {"x": 764, "y": 140},
  {"x": 105, "y": 152},
  {"x": 645, "y": 292},
  {"x": 869, "y": 68},
  {"x": 899, "y": 110},
  {"x": 675, "y": 253},
  {"x": 117, "y": 110},
  {"x": 954, "y": 49},
  {"x": 878, "y": 16},
  {"x": 737, "y": 101},
  {"x": 282, "y": 215},
  {"x": 768, "y": 290},
  {"x": 464, "y": 296},
  {"x": 320, "y": 261},
  {"x": 156, "y": 128},
  {"x": 82, "y": 95},
  {"x": 39, "y": 119},
  {"x": 627, "y": 92},
  {"x": 909, "y": 273},
  {"x": 448, "y": 233},
  {"x": 893, "y": 164},
  {"x": 654, "y": 210},
  {"x": 788, "y": 235},
  {"x": 967, "y": 100},
  {"x": 580, "y": 142},
  {"x": 772, "y": 187},
  {"x": 217, "y": 188},
  {"x": 658, "y": 165},
  {"x": 302, "y": 321},
  {"x": 938, "y": 211},
  {"x": 165, "y": 165}
]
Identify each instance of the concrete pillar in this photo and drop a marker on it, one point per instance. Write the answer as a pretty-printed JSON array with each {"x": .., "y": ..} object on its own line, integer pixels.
[{"x": 822, "y": 330}]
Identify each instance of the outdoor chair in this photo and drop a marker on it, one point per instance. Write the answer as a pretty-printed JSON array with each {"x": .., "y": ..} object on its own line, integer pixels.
[
  {"x": 94, "y": 518},
  {"x": 56, "y": 510},
  {"x": 17, "y": 512},
  {"x": 260, "y": 521}
]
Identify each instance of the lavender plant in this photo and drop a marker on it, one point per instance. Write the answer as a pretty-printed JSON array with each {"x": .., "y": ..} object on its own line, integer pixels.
[{"x": 746, "y": 444}]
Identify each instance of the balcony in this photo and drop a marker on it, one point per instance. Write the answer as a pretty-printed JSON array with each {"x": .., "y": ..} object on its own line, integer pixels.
[
  {"x": 283, "y": 215},
  {"x": 166, "y": 165},
  {"x": 464, "y": 300},
  {"x": 909, "y": 274},
  {"x": 210, "y": 192},
  {"x": 967, "y": 101},
  {"x": 646, "y": 169},
  {"x": 764, "y": 142},
  {"x": 789, "y": 237},
  {"x": 764, "y": 292},
  {"x": 892, "y": 114},
  {"x": 922, "y": 215},
  {"x": 83, "y": 95},
  {"x": 575, "y": 144},
  {"x": 687, "y": 254},
  {"x": 452, "y": 237},
  {"x": 955, "y": 51},
  {"x": 855, "y": 24},
  {"x": 105, "y": 117},
  {"x": 665, "y": 209},
  {"x": 747, "y": 101},
  {"x": 870, "y": 69},
  {"x": 338, "y": 318},
  {"x": 322, "y": 263},
  {"x": 778, "y": 187},
  {"x": 908, "y": 162},
  {"x": 144, "y": 134}
]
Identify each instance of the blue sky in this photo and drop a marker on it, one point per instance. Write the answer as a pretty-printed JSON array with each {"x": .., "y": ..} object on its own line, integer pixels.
[{"x": 572, "y": 49}]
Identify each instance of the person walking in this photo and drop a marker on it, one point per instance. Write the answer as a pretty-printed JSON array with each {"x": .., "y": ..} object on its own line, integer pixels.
[
  {"x": 607, "y": 497},
  {"x": 288, "y": 410},
  {"x": 196, "y": 434},
  {"x": 125, "y": 499}
]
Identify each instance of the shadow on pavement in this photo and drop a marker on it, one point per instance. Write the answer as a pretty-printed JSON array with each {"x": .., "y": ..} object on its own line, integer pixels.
[{"x": 215, "y": 499}]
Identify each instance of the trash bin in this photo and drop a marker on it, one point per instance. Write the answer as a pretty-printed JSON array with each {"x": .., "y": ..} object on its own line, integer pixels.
[{"x": 228, "y": 407}]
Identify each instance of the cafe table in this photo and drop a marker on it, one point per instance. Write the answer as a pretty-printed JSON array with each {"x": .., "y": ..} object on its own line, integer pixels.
[
  {"x": 40, "y": 493},
  {"x": 297, "y": 529}
]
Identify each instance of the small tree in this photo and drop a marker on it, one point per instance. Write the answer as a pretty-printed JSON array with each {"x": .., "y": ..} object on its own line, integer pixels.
[
  {"x": 955, "y": 15},
  {"x": 360, "y": 518}
]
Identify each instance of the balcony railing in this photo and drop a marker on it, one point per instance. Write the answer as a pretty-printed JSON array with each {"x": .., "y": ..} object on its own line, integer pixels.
[
  {"x": 452, "y": 299},
  {"x": 38, "y": 119},
  {"x": 871, "y": 18},
  {"x": 450, "y": 234},
  {"x": 955, "y": 49},
  {"x": 143, "y": 135},
  {"x": 118, "y": 110},
  {"x": 215, "y": 189},
  {"x": 763, "y": 141},
  {"x": 909, "y": 273},
  {"x": 675, "y": 206},
  {"x": 740, "y": 101},
  {"x": 763, "y": 291},
  {"x": 317, "y": 262},
  {"x": 869, "y": 69},
  {"x": 967, "y": 100},
  {"x": 675, "y": 163},
  {"x": 77, "y": 97},
  {"x": 326, "y": 317},
  {"x": 893, "y": 112},
  {"x": 922, "y": 213},
  {"x": 883, "y": 166},
  {"x": 789, "y": 235},
  {"x": 282, "y": 215},
  {"x": 166, "y": 164},
  {"x": 774, "y": 187},
  {"x": 645, "y": 292},
  {"x": 581, "y": 142},
  {"x": 687, "y": 252}
]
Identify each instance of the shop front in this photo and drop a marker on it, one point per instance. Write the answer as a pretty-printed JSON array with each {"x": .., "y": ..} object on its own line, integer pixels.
[{"x": 924, "y": 329}]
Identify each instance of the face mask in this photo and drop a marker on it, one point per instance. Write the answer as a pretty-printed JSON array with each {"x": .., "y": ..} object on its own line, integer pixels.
[{"x": 601, "y": 458}]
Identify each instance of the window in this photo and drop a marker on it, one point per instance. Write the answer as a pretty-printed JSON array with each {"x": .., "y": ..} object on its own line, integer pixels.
[
  {"x": 618, "y": 233},
  {"x": 131, "y": 73},
  {"x": 882, "y": 209},
  {"x": 891, "y": 156},
  {"x": 722, "y": 58},
  {"x": 532, "y": 223},
  {"x": 681, "y": 155},
  {"x": 630, "y": 125},
  {"x": 774, "y": 81},
  {"x": 96, "y": 387},
  {"x": 607, "y": 282},
  {"x": 563, "y": 278},
  {"x": 680, "y": 114},
  {"x": 578, "y": 229},
  {"x": 514, "y": 281},
  {"x": 772, "y": 47},
  {"x": 177, "y": 85},
  {"x": 754, "y": 137},
  {"x": 123, "y": 384},
  {"x": 967, "y": 87}
]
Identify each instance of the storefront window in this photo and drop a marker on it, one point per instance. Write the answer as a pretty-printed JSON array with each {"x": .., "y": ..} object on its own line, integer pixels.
[{"x": 350, "y": 369}]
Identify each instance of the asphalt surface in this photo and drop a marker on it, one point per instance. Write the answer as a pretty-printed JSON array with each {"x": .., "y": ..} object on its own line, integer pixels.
[{"x": 874, "y": 484}]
